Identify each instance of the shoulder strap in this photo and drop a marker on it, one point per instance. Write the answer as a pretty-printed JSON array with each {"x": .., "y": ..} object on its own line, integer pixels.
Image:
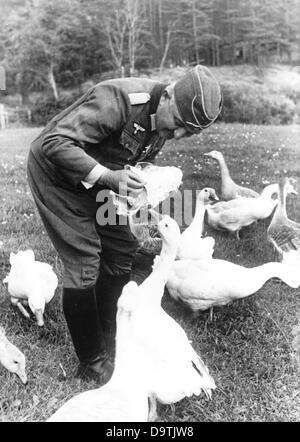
[{"x": 139, "y": 98}]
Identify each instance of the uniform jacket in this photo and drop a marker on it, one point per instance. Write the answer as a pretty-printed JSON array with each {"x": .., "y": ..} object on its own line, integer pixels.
[{"x": 100, "y": 127}]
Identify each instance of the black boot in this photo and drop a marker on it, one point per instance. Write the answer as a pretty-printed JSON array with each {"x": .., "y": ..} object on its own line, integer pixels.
[
  {"x": 108, "y": 291},
  {"x": 83, "y": 322}
]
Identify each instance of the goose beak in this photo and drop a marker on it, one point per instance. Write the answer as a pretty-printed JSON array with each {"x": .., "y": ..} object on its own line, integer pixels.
[
  {"x": 292, "y": 182},
  {"x": 23, "y": 377},
  {"x": 39, "y": 317},
  {"x": 294, "y": 191},
  {"x": 214, "y": 197}
]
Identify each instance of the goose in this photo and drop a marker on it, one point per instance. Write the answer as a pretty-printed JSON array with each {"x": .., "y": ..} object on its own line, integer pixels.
[
  {"x": 192, "y": 244},
  {"x": 234, "y": 214},
  {"x": 125, "y": 396},
  {"x": 175, "y": 370},
  {"x": 160, "y": 181},
  {"x": 229, "y": 189},
  {"x": 12, "y": 358},
  {"x": 203, "y": 284},
  {"x": 31, "y": 283},
  {"x": 283, "y": 232}
]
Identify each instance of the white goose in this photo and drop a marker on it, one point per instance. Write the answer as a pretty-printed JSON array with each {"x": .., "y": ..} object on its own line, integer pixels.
[
  {"x": 125, "y": 397},
  {"x": 12, "y": 358},
  {"x": 175, "y": 370},
  {"x": 229, "y": 189},
  {"x": 204, "y": 284},
  {"x": 31, "y": 283},
  {"x": 283, "y": 232},
  {"x": 192, "y": 244},
  {"x": 241, "y": 212}
]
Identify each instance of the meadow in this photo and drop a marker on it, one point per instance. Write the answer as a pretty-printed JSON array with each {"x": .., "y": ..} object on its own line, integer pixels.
[{"x": 248, "y": 344}]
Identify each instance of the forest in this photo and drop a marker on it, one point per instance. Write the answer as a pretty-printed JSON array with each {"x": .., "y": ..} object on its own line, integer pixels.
[
  {"x": 63, "y": 43},
  {"x": 51, "y": 52}
]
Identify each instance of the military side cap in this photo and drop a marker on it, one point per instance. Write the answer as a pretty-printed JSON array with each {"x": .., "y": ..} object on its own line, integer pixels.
[{"x": 198, "y": 98}]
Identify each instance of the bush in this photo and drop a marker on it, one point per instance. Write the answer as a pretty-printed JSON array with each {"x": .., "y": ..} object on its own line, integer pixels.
[
  {"x": 255, "y": 104},
  {"x": 245, "y": 101},
  {"x": 46, "y": 107}
]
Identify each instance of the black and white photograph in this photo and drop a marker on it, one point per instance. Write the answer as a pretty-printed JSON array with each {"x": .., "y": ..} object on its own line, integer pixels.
[{"x": 150, "y": 213}]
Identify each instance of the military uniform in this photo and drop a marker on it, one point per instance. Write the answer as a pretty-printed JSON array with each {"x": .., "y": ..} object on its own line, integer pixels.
[{"x": 112, "y": 125}]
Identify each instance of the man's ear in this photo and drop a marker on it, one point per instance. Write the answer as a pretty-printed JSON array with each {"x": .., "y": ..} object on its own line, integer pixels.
[
  {"x": 169, "y": 91},
  {"x": 165, "y": 95}
]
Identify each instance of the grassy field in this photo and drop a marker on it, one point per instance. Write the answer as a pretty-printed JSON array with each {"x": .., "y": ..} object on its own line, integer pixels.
[{"x": 247, "y": 346}]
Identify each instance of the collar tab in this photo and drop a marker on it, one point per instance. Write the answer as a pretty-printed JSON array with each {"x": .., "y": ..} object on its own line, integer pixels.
[{"x": 153, "y": 122}]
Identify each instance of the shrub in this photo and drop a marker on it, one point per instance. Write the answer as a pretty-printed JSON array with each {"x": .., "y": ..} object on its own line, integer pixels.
[
  {"x": 46, "y": 107},
  {"x": 250, "y": 102},
  {"x": 255, "y": 104}
]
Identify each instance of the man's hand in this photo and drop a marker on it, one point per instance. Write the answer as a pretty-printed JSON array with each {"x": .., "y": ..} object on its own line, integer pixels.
[{"x": 122, "y": 181}]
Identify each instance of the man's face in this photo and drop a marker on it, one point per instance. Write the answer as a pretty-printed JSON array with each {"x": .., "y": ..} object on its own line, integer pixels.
[{"x": 168, "y": 122}]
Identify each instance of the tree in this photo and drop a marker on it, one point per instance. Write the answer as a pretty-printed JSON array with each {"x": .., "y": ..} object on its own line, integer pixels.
[
  {"x": 62, "y": 43},
  {"x": 47, "y": 42},
  {"x": 135, "y": 20},
  {"x": 115, "y": 31}
]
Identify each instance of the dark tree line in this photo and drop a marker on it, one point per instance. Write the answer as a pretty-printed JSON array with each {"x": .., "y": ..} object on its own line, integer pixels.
[{"x": 51, "y": 43}]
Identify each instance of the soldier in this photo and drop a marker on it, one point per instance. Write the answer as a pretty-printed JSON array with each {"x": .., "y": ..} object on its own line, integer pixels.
[{"x": 83, "y": 150}]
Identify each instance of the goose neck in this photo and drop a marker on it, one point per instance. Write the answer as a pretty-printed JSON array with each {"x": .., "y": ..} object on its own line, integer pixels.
[
  {"x": 166, "y": 258},
  {"x": 129, "y": 369},
  {"x": 282, "y": 201},
  {"x": 198, "y": 216},
  {"x": 259, "y": 275},
  {"x": 223, "y": 168}
]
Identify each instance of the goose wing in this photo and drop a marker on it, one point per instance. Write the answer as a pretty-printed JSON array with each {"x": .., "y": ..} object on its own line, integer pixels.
[
  {"x": 246, "y": 192},
  {"x": 147, "y": 236},
  {"x": 175, "y": 370},
  {"x": 286, "y": 238},
  {"x": 106, "y": 404}
]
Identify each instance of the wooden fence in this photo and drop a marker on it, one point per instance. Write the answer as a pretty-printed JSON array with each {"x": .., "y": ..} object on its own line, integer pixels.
[{"x": 14, "y": 116}]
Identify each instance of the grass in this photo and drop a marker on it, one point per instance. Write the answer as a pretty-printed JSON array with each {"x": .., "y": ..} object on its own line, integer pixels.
[{"x": 247, "y": 346}]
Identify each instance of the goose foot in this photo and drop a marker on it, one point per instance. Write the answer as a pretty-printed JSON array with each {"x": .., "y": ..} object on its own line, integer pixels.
[{"x": 23, "y": 310}]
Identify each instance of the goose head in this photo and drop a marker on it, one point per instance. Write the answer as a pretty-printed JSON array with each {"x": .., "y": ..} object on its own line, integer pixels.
[
  {"x": 288, "y": 185},
  {"x": 19, "y": 261},
  {"x": 21, "y": 258},
  {"x": 215, "y": 154},
  {"x": 37, "y": 306},
  {"x": 207, "y": 196},
  {"x": 12, "y": 358},
  {"x": 169, "y": 232}
]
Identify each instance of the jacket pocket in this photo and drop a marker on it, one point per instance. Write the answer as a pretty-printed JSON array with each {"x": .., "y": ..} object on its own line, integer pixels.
[{"x": 130, "y": 143}]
